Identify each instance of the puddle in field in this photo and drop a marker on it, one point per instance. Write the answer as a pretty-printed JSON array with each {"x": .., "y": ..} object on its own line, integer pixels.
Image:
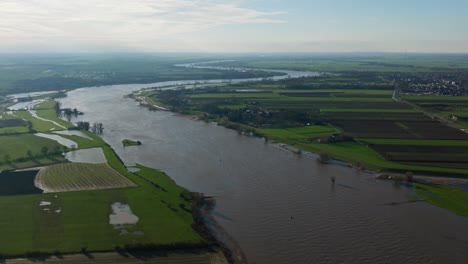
[
  {"x": 73, "y": 133},
  {"x": 133, "y": 169},
  {"x": 122, "y": 215},
  {"x": 47, "y": 207},
  {"x": 44, "y": 203},
  {"x": 92, "y": 155},
  {"x": 34, "y": 114},
  {"x": 59, "y": 139},
  {"x": 25, "y": 105}
]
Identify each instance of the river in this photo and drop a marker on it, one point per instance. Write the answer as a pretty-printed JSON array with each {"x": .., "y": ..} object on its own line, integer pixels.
[{"x": 278, "y": 206}]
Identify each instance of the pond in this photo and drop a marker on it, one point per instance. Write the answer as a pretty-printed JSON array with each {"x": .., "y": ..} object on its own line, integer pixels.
[{"x": 21, "y": 182}]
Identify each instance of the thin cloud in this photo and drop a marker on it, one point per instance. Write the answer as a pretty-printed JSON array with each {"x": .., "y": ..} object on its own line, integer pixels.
[{"x": 122, "y": 23}]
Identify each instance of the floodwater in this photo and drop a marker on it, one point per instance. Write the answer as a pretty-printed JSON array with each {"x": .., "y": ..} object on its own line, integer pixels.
[
  {"x": 91, "y": 155},
  {"x": 73, "y": 133},
  {"x": 34, "y": 114},
  {"x": 122, "y": 215},
  {"x": 25, "y": 105},
  {"x": 61, "y": 140},
  {"x": 278, "y": 206}
]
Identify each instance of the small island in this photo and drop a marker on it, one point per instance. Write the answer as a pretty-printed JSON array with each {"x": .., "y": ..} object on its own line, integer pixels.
[{"x": 128, "y": 142}]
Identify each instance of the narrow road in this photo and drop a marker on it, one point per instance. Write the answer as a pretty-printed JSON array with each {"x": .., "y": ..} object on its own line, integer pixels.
[{"x": 396, "y": 97}]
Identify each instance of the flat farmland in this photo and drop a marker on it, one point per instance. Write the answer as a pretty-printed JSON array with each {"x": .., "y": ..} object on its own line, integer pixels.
[
  {"x": 16, "y": 147},
  {"x": 439, "y": 156},
  {"x": 68, "y": 177},
  {"x": 399, "y": 129},
  {"x": 373, "y": 114}
]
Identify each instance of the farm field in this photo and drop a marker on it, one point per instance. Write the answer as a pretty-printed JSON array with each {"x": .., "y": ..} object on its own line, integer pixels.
[
  {"x": 27, "y": 147},
  {"x": 351, "y": 122},
  {"x": 454, "y": 109},
  {"x": 364, "y": 63},
  {"x": 79, "y": 177},
  {"x": 46, "y": 110},
  {"x": 37, "y": 124}
]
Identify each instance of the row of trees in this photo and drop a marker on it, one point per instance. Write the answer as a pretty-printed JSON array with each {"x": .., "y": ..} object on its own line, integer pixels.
[
  {"x": 96, "y": 128},
  {"x": 69, "y": 113}
]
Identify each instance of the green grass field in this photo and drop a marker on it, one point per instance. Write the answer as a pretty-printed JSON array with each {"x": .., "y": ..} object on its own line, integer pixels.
[
  {"x": 37, "y": 124},
  {"x": 300, "y": 134},
  {"x": 17, "y": 147},
  {"x": 46, "y": 110},
  {"x": 362, "y": 63},
  {"x": 80, "y": 176}
]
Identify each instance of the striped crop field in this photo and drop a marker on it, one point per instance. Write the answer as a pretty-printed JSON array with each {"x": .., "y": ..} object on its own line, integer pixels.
[{"x": 69, "y": 177}]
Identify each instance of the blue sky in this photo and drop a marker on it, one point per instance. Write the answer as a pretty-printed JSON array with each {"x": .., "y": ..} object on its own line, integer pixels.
[{"x": 234, "y": 26}]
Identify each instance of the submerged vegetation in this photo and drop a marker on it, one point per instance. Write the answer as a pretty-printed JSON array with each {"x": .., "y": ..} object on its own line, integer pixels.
[
  {"x": 453, "y": 199},
  {"x": 128, "y": 142}
]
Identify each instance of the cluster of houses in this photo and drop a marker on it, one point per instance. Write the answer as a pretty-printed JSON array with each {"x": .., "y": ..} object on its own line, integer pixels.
[{"x": 447, "y": 84}]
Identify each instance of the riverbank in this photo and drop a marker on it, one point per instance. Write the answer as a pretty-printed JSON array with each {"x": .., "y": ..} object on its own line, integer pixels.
[
  {"x": 172, "y": 257},
  {"x": 343, "y": 158},
  {"x": 211, "y": 231}
]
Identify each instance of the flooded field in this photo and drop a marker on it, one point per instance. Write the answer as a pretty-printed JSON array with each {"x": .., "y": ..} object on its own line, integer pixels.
[
  {"x": 92, "y": 155},
  {"x": 122, "y": 215},
  {"x": 61, "y": 140},
  {"x": 73, "y": 133},
  {"x": 278, "y": 206}
]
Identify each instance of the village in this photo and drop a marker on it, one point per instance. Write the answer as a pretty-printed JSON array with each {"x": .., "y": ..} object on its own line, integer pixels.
[{"x": 444, "y": 84}]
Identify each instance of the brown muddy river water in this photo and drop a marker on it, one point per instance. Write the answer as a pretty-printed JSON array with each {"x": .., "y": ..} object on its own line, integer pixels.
[{"x": 279, "y": 207}]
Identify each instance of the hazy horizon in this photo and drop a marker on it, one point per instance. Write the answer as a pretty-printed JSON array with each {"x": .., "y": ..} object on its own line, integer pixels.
[{"x": 242, "y": 26}]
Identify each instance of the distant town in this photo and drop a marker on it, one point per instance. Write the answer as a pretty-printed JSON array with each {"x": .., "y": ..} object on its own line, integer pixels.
[{"x": 445, "y": 84}]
